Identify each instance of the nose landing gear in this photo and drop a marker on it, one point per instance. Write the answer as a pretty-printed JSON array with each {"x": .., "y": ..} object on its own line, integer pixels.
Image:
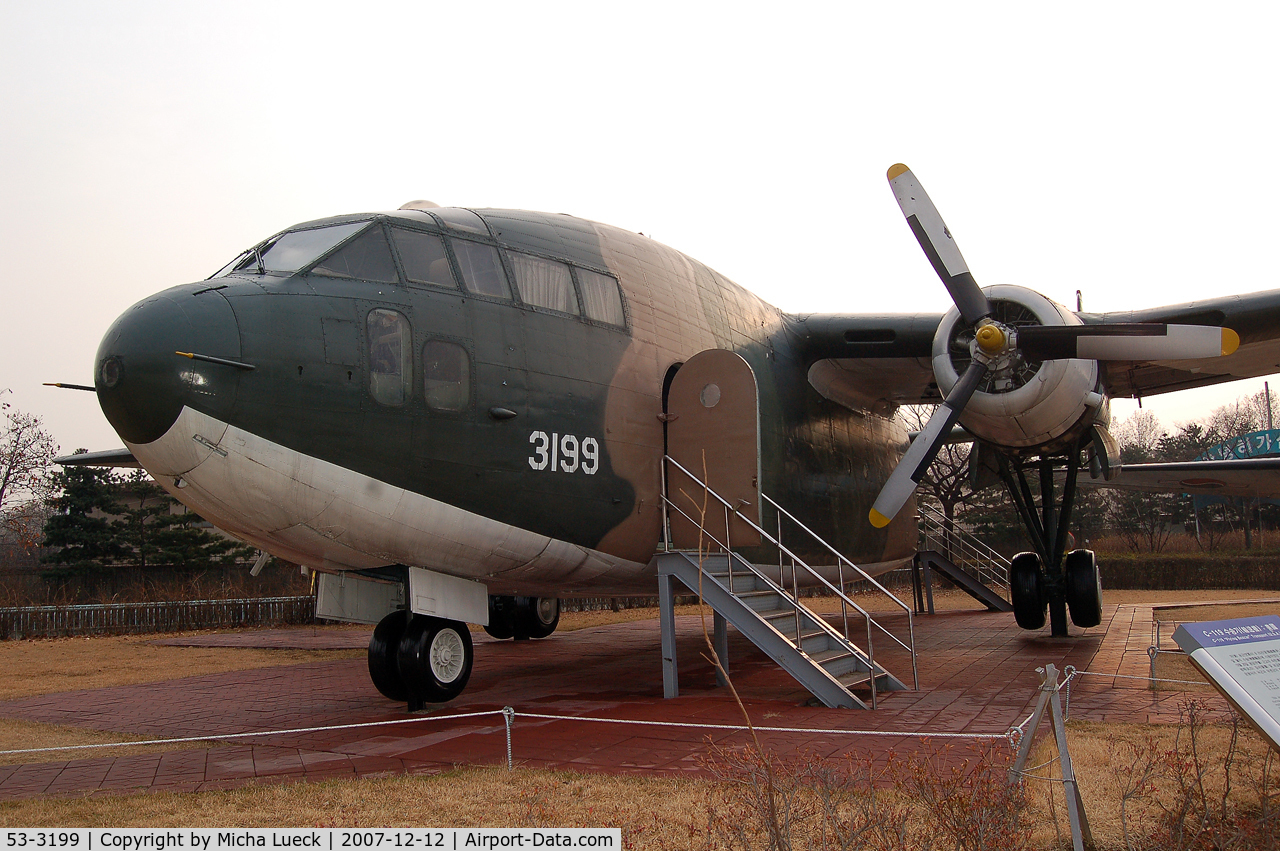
[{"x": 1044, "y": 579}]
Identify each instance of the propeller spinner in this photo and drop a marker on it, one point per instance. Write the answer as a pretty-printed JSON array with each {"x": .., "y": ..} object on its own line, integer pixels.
[{"x": 995, "y": 344}]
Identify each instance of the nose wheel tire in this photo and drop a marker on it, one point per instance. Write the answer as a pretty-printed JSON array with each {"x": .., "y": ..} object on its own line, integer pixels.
[
  {"x": 384, "y": 670},
  {"x": 1026, "y": 590},
  {"x": 435, "y": 658},
  {"x": 1084, "y": 588}
]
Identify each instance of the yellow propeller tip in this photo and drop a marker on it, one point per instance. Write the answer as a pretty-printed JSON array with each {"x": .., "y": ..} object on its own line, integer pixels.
[
  {"x": 186, "y": 354},
  {"x": 897, "y": 169},
  {"x": 879, "y": 520},
  {"x": 1230, "y": 341}
]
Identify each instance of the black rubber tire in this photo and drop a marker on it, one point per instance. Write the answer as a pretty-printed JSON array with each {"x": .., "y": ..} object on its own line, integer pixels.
[
  {"x": 502, "y": 617},
  {"x": 1084, "y": 588},
  {"x": 1026, "y": 591},
  {"x": 435, "y": 659},
  {"x": 537, "y": 617},
  {"x": 384, "y": 647}
]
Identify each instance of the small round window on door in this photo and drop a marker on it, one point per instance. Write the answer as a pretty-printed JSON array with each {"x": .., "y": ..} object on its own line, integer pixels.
[
  {"x": 446, "y": 368},
  {"x": 390, "y": 361}
]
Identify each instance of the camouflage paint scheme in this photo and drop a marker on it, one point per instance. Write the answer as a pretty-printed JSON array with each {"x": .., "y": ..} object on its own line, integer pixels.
[{"x": 305, "y": 335}]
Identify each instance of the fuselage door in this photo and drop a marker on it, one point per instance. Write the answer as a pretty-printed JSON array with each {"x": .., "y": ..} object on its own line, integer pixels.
[{"x": 713, "y": 431}]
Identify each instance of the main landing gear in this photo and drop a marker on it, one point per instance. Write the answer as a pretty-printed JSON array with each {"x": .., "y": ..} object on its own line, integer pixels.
[
  {"x": 420, "y": 659},
  {"x": 522, "y": 618},
  {"x": 1043, "y": 579}
]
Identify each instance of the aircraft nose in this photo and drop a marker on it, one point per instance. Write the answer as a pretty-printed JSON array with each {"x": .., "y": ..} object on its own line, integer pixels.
[{"x": 143, "y": 385}]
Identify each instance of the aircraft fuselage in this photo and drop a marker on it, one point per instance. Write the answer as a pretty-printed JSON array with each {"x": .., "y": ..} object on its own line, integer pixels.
[{"x": 478, "y": 419}]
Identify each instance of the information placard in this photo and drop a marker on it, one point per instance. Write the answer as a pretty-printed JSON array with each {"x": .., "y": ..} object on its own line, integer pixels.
[{"x": 1241, "y": 657}]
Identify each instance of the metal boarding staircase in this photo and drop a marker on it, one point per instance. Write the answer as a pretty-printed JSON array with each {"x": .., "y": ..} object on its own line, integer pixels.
[
  {"x": 763, "y": 604},
  {"x": 961, "y": 557}
]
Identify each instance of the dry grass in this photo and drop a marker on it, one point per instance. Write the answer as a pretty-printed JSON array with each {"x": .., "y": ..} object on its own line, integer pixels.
[
  {"x": 653, "y": 812},
  {"x": 22, "y": 735},
  {"x": 1109, "y": 761},
  {"x": 47, "y": 665},
  {"x": 1216, "y": 611},
  {"x": 1230, "y": 543},
  {"x": 1176, "y": 666}
]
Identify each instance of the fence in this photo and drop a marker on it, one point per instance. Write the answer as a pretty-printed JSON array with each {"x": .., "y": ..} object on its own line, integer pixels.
[{"x": 176, "y": 616}]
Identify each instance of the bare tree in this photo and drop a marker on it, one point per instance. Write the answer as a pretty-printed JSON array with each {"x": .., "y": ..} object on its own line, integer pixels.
[
  {"x": 1144, "y": 520},
  {"x": 26, "y": 453},
  {"x": 947, "y": 480},
  {"x": 1246, "y": 414}
]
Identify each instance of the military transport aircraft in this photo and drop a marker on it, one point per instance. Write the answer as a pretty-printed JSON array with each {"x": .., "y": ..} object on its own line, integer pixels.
[{"x": 460, "y": 416}]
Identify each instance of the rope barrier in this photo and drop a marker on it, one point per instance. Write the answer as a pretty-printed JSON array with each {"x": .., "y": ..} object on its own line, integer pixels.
[
  {"x": 743, "y": 728},
  {"x": 509, "y": 715},
  {"x": 1013, "y": 734},
  {"x": 186, "y": 739},
  {"x": 1145, "y": 679}
]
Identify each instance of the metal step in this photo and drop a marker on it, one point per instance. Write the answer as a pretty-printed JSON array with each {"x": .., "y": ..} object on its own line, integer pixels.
[
  {"x": 823, "y": 661},
  {"x": 963, "y": 580}
]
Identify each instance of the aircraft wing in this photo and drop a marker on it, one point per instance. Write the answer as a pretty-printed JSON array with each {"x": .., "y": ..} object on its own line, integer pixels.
[
  {"x": 877, "y": 361},
  {"x": 870, "y": 361},
  {"x": 1255, "y": 317},
  {"x": 1250, "y": 477},
  {"x": 106, "y": 458}
]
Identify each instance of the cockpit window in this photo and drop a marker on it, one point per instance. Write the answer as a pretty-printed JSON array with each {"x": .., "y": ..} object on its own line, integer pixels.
[
  {"x": 423, "y": 258},
  {"x": 290, "y": 251},
  {"x": 366, "y": 258},
  {"x": 481, "y": 268}
]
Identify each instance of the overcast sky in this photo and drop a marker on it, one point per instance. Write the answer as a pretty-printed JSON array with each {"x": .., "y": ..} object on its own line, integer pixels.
[{"x": 1126, "y": 150}]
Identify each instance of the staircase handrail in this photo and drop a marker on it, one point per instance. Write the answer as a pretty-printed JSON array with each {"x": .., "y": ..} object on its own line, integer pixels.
[
  {"x": 799, "y": 561},
  {"x": 795, "y": 603},
  {"x": 843, "y": 559},
  {"x": 963, "y": 540}
]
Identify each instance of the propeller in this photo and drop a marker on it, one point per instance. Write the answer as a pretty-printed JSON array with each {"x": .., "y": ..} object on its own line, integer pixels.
[{"x": 994, "y": 341}]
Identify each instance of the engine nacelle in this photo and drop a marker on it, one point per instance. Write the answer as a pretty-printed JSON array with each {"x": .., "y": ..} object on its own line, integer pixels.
[{"x": 1020, "y": 404}]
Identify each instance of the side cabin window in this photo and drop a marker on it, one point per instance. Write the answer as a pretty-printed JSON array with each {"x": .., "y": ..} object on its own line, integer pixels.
[
  {"x": 446, "y": 370},
  {"x": 423, "y": 257},
  {"x": 600, "y": 298},
  {"x": 390, "y": 357},
  {"x": 544, "y": 283},
  {"x": 481, "y": 269},
  {"x": 365, "y": 258}
]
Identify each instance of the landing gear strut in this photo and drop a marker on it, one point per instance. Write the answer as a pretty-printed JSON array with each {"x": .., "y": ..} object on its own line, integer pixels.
[{"x": 1040, "y": 577}]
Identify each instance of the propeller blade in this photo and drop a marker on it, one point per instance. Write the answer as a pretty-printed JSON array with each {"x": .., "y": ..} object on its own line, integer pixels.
[
  {"x": 920, "y": 454},
  {"x": 932, "y": 234},
  {"x": 1126, "y": 341}
]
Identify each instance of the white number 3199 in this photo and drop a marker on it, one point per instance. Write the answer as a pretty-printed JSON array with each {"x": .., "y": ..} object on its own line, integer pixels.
[{"x": 564, "y": 452}]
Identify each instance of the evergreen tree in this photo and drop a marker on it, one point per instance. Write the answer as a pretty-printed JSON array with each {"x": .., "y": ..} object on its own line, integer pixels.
[
  {"x": 182, "y": 543},
  {"x": 77, "y": 532},
  {"x": 137, "y": 527}
]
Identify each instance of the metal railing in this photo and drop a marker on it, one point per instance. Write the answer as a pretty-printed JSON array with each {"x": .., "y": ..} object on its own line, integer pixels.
[
  {"x": 173, "y": 616},
  {"x": 797, "y": 564},
  {"x": 963, "y": 549}
]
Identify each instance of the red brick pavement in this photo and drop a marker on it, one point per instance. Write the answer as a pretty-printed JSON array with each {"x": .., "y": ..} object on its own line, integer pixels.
[{"x": 977, "y": 676}]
